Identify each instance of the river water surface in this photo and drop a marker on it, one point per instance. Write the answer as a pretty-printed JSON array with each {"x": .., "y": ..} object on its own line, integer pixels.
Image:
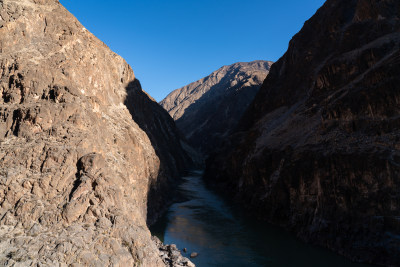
[{"x": 204, "y": 223}]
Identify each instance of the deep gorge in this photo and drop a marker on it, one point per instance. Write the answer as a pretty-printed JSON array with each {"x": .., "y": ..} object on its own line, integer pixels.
[{"x": 301, "y": 156}]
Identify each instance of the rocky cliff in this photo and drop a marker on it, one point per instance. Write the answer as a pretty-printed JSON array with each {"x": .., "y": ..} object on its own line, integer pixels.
[
  {"x": 318, "y": 150},
  {"x": 75, "y": 168},
  {"x": 168, "y": 143},
  {"x": 207, "y": 110}
]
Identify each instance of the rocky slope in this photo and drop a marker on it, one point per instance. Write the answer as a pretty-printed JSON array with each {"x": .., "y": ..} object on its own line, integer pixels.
[
  {"x": 75, "y": 168},
  {"x": 208, "y": 109},
  {"x": 318, "y": 150}
]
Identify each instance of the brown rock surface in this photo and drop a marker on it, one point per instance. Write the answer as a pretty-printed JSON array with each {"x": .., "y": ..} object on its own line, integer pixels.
[
  {"x": 75, "y": 169},
  {"x": 171, "y": 256},
  {"x": 318, "y": 150},
  {"x": 207, "y": 110}
]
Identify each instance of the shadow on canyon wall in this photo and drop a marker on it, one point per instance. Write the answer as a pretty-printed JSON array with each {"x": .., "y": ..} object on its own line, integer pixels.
[{"x": 167, "y": 142}]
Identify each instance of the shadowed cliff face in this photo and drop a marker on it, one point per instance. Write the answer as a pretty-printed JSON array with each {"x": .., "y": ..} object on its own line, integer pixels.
[
  {"x": 75, "y": 168},
  {"x": 318, "y": 149},
  {"x": 207, "y": 110},
  {"x": 167, "y": 143}
]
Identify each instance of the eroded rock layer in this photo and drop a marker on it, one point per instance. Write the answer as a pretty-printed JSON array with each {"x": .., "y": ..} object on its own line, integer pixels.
[
  {"x": 207, "y": 110},
  {"x": 318, "y": 151},
  {"x": 75, "y": 168}
]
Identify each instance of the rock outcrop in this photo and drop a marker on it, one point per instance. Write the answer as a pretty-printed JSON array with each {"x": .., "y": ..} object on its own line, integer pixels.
[
  {"x": 75, "y": 168},
  {"x": 318, "y": 150},
  {"x": 207, "y": 110},
  {"x": 171, "y": 255}
]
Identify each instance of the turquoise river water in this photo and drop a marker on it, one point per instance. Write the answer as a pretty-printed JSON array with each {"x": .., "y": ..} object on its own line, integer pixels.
[{"x": 204, "y": 223}]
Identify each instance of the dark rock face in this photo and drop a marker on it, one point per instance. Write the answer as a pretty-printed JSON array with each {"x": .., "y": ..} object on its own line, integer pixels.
[
  {"x": 206, "y": 111},
  {"x": 75, "y": 168},
  {"x": 318, "y": 150},
  {"x": 167, "y": 143}
]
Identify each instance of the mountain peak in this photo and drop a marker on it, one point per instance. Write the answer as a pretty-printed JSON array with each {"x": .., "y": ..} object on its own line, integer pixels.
[{"x": 206, "y": 110}]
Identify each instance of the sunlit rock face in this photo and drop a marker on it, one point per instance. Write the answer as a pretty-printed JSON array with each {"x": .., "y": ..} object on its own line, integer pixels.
[
  {"x": 75, "y": 168},
  {"x": 318, "y": 149},
  {"x": 207, "y": 110}
]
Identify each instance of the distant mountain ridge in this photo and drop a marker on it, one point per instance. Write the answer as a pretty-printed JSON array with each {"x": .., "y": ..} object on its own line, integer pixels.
[{"x": 208, "y": 109}]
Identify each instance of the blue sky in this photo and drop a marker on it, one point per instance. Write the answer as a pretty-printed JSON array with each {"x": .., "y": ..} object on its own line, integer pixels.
[{"x": 171, "y": 43}]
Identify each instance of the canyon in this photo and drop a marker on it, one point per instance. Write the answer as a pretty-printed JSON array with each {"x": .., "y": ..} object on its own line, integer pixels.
[{"x": 89, "y": 161}]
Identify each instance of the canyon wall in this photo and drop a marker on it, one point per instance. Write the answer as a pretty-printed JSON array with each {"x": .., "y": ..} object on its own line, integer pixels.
[
  {"x": 169, "y": 144},
  {"x": 318, "y": 150},
  {"x": 75, "y": 168}
]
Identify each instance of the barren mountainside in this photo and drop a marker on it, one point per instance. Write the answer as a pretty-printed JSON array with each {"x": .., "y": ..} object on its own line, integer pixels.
[
  {"x": 318, "y": 149},
  {"x": 208, "y": 109},
  {"x": 77, "y": 158}
]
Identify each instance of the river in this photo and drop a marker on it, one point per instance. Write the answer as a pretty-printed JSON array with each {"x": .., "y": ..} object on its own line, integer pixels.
[{"x": 203, "y": 222}]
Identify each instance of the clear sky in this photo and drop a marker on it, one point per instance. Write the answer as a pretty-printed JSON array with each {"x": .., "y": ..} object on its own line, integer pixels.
[{"x": 171, "y": 43}]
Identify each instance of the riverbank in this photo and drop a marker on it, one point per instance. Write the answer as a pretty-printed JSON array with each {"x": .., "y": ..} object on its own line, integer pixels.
[{"x": 171, "y": 255}]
